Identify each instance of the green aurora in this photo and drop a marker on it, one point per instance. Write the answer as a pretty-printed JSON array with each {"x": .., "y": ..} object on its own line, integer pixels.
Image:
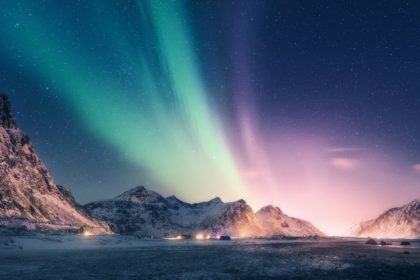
[{"x": 168, "y": 128}]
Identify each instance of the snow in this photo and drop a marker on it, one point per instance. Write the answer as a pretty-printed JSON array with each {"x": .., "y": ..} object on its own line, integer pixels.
[
  {"x": 29, "y": 195},
  {"x": 194, "y": 214},
  {"x": 122, "y": 257},
  {"x": 145, "y": 213},
  {"x": 401, "y": 222},
  {"x": 32, "y": 199}
]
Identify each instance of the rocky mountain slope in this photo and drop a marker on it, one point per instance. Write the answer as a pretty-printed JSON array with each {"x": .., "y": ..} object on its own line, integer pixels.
[
  {"x": 147, "y": 214},
  {"x": 28, "y": 195},
  {"x": 399, "y": 222},
  {"x": 275, "y": 222}
]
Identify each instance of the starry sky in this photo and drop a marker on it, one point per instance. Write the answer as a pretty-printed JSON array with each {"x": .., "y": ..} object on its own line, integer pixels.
[{"x": 312, "y": 107}]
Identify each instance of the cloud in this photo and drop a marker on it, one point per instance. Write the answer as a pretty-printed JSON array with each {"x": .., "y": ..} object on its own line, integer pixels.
[
  {"x": 344, "y": 163},
  {"x": 342, "y": 149},
  {"x": 416, "y": 168}
]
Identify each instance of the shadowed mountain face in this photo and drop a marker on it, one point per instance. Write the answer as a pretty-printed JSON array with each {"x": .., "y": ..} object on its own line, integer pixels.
[
  {"x": 28, "y": 195},
  {"x": 147, "y": 214},
  {"x": 399, "y": 222}
]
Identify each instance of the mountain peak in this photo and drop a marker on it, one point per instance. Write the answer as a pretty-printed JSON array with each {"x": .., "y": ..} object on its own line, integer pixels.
[
  {"x": 240, "y": 201},
  {"x": 271, "y": 209},
  {"x": 140, "y": 194},
  {"x": 138, "y": 189},
  {"x": 415, "y": 201},
  {"x": 215, "y": 200},
  {"x": 412, "y": 206},
  {"x": 175, "y": 200},
  {"x": 6, "y": 118}
]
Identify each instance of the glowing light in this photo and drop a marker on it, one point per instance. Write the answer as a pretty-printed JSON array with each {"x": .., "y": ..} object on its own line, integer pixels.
[
  {"x": 171, "y": 238},
  {"x": 199, "y": 237}
]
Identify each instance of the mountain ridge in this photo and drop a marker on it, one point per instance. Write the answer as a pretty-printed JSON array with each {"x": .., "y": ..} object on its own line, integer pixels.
[
  {"x": 171, "y": 216},
  {"x": 396, "y": 222}
]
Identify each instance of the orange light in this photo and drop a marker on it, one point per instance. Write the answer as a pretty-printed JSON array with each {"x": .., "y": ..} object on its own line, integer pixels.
[{"x": 87, "y": 233}]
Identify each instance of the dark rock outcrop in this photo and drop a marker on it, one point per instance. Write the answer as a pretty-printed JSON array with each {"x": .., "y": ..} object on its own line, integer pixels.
[{"x": 371, "y": 242}]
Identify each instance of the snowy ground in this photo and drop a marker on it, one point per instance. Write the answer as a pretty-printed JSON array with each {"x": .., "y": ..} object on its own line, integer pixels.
[{"x": 117, "y": 257}]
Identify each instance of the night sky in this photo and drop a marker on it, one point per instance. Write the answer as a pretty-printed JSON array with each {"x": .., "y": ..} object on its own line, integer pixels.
[{"x": 313, "y": 107}]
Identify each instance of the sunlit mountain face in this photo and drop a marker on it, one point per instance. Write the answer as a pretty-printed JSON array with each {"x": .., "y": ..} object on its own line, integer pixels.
[{"x": 313, "y": 108}]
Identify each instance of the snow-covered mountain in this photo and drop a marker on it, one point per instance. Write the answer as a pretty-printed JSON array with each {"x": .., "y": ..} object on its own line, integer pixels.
[
  {"x": 275, "y": 222},
  {"x": 138, "y": 211},
  {"x": 147, "y": 214},
  {"x": 30, "y": 198},
  {"x": 28, "y": 195},
  {"x": 399, "y": 222}
]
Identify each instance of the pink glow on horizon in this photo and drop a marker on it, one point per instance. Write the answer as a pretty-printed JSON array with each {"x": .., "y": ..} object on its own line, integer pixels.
[
  {"x": 254, "y": 163},
  {"x": 334, "y": 188},
  {"x": 416, "y": 168},
  {"x": 312, "y": 175}
]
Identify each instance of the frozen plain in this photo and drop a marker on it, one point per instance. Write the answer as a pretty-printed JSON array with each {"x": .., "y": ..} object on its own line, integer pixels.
[{"x": 120, "y": 257}]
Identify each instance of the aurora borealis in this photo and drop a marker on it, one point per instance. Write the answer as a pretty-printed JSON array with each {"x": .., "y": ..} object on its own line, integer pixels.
[{"x": 311, "y": 107}]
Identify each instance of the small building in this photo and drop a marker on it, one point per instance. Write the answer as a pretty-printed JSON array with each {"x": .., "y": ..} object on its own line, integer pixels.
[{"x": 225, "y": 237}]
